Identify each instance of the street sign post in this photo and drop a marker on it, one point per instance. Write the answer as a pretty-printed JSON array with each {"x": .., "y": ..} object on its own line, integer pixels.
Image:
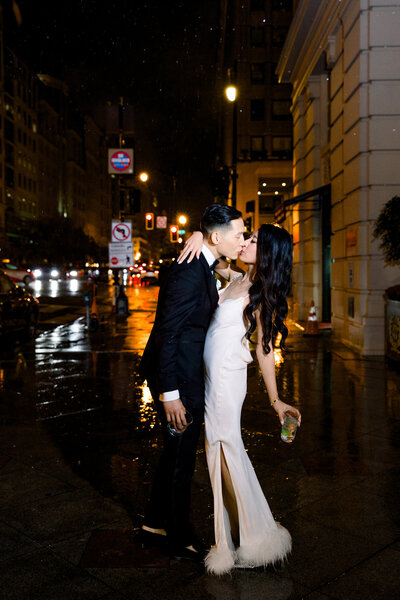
[
  {"x": 120, "y": 255},
  {"x": 121, "y": 232}
]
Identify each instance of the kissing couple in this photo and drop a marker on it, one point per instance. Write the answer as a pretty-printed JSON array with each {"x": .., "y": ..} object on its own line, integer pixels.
[{"x": 195, "y": 363}]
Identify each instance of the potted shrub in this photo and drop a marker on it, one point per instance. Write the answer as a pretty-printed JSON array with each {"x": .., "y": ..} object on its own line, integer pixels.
[{"x": 387, "y": 229}]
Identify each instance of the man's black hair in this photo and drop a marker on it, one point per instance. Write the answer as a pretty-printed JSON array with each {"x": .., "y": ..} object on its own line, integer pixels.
[{"x": 217, "y": 216}]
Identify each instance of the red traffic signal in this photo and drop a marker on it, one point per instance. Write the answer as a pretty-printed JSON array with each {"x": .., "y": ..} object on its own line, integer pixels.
[
  {"x": 149, "y": 220},
  {"x": 173, "y": 232}
]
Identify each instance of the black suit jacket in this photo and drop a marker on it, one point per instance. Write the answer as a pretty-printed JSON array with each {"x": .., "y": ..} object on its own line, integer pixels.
[{"x": 173, "y": 357}]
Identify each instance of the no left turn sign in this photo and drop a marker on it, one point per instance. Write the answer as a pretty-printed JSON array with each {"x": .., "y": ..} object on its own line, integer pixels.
[{"x": 121, "y": 232}]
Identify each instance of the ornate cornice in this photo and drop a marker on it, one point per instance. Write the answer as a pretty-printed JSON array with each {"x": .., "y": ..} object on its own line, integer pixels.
[{"x": 310, "y": 33}]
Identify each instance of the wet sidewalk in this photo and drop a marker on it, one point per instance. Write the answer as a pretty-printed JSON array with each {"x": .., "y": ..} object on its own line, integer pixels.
[{"x": 79, "y": 443}]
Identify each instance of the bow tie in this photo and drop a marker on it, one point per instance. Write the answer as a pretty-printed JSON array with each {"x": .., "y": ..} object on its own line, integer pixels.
[{"x": 213, "y": 265}]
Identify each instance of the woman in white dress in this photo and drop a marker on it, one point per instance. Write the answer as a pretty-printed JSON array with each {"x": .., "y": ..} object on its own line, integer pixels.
[{"x": 246, "y": 534}]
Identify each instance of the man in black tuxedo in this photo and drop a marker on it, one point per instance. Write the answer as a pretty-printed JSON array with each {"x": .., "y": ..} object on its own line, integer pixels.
[{"x": 172, "y": 363}]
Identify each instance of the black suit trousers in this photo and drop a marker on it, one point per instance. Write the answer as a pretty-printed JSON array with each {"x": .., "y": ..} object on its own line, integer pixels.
[{"x": 169, "y": 505}]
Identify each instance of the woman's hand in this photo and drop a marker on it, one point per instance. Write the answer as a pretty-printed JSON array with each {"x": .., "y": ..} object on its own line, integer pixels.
[
  {"x": 280, "y": 408},
  {"x": 192, "y": 247}
]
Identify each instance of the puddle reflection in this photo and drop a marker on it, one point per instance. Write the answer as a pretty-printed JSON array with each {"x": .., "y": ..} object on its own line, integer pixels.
[
  {"x": 54, "y": 285},
  {"x": 73, "y": 285},
  {"x": 146, "y": 407}
]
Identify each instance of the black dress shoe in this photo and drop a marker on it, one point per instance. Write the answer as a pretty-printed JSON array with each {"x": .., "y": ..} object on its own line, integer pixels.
[
  {"x": 149, "y": 539},
  {"x": 183, "y": 553},
  {"x": 198, "y": 545}
]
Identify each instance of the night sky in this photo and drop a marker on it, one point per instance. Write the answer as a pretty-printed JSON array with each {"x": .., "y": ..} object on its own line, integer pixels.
[{"x": 159, "y": 56}]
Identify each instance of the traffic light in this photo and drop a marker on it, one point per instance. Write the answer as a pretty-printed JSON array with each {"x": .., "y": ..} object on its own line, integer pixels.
[
  {"x": 248, "y": 223},
  {"x": 149, "y": 221},
  {"x": 173, "y": 233}
]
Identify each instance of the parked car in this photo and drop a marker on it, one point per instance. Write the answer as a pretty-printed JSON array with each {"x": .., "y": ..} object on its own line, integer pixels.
[
  {"x": 18, "y": 274},
  {"x": 19, "y": 310}
]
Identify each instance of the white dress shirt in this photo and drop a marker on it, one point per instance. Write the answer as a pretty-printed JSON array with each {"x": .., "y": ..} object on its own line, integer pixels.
[{"x": 174, "y": 394}]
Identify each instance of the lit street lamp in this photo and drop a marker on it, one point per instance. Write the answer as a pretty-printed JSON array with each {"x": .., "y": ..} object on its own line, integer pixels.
[
  {"x": 144, "y": 177},
  {"x": 231, "y": 94},
  {"x": 182, "y": 220}
]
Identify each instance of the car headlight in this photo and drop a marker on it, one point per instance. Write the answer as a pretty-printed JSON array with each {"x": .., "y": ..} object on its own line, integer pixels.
[
  {"x": 73, "y": 273},
  {"x": 54, "y": 273},
  {"x": 37, "y": 272}
]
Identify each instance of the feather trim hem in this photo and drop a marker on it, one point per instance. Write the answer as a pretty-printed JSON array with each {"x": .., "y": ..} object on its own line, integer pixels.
[
  {"x": 274, "y": 548},
  {"x": 219, "y": 560}
]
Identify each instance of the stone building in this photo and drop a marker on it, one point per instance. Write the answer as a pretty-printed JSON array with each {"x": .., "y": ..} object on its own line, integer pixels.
[{"x": 342, "y": 60}]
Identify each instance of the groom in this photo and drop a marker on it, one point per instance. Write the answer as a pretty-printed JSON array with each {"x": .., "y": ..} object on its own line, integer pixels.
[{"x": 172, "y": 363}]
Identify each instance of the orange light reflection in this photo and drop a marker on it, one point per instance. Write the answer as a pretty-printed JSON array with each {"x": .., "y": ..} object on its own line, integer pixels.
[{"x": 146, "y": 410}]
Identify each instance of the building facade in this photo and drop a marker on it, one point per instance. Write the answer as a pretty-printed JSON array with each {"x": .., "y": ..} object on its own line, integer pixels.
[
  {"x": 256, "y": 129},
  {"x": 3, "y": 238},
  {"x": 98, "y": 184},
  {"x": 52, "y": 119},
  {"x": 53, "y": 161},
  {"x": 342, "y": 60},
  {"x": 20, "y": 152}
]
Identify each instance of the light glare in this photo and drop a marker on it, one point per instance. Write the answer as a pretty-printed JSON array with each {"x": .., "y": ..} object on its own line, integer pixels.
[{"x": 231, "y": 93}]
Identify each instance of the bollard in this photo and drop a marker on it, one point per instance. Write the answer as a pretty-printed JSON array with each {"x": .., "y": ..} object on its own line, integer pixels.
[
  {"x": 86, "y": 300},
  {"x": 94, "y": 316},
  {"x": 122, "y": 302}
]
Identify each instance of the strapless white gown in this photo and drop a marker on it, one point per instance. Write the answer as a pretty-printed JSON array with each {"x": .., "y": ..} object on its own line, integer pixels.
[{"x": 263, "y": 541}]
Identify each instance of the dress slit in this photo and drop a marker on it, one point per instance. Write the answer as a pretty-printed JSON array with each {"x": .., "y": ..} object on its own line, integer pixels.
[
  {"x": 221, "y": 557},
  {"x": 229, "y": 498}
]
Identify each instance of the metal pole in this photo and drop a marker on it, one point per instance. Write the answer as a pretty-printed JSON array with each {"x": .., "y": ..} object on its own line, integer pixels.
[{"x": 234, "y": 153}]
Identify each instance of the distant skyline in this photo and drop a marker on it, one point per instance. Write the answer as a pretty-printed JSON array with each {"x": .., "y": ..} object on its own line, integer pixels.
[{"x": 159, "y": 56}]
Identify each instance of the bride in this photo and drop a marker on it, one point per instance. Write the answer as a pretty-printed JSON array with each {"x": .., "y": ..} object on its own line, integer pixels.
[{"x": 246, "y": 534}]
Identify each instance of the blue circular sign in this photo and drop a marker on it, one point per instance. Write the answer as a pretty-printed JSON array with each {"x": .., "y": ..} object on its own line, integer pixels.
[{"x": 120, "y": 161}]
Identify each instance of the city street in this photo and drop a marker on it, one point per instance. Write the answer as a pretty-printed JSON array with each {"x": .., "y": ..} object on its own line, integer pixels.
[
  {"x": 80, "y": 441},
  {"x": 62, "y": 301}
]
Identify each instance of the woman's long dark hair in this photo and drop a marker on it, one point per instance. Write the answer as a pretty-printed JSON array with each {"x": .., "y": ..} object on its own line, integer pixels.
[{"x": 270, "y": 287}]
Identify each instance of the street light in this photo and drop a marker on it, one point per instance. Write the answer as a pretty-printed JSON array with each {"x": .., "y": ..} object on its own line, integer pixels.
[
  {"x": 182, "y": 220},
  {"x": 231, "y": 94},
  {"x": 144, "y": 177}
]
